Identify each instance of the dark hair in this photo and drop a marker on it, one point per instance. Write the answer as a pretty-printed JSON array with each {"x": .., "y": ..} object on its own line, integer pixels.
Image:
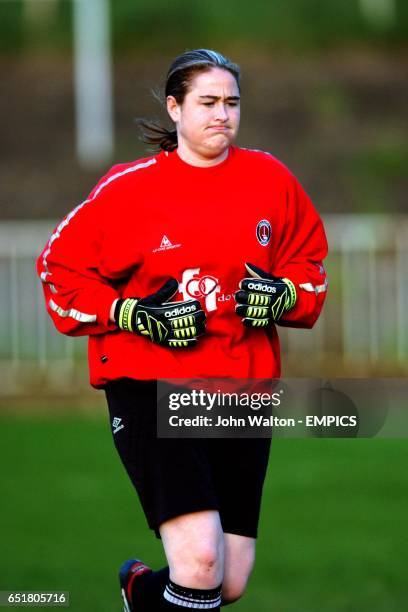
[{"x": 178, "y": 80}]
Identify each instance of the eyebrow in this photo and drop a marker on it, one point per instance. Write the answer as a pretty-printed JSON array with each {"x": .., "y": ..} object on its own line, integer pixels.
[{"x": 219, "y": 97}]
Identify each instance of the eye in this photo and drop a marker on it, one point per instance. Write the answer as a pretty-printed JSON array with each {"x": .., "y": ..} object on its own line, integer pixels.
[
  {"x": 208, "y": 103},
  {"x": 232, "y": 103}
]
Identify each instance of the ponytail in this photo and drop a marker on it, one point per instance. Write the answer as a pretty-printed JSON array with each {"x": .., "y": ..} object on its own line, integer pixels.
[{"x": 158, "y": 136}]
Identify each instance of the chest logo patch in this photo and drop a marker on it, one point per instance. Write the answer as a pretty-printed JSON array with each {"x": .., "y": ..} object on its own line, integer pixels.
[
  {"x": 194, "y": 285},
  {"x": 166, "y": 245},
  {"x": 263, "y": 232}
]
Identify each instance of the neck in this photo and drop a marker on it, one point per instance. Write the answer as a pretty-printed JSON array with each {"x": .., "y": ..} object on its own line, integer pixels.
[{"x": 195, "y": 159}]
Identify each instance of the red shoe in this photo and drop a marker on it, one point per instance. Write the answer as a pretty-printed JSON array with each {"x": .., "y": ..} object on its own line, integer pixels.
[{"x": 129, "y": 571}]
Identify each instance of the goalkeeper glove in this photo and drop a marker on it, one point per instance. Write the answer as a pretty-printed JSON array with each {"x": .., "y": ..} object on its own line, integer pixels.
[
  {"x": 263, "y": 298},
  {"x": 171, "y": 324}
]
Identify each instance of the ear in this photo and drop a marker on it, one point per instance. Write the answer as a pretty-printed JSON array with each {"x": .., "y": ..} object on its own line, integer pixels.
[{"x": 173, "y": 108}]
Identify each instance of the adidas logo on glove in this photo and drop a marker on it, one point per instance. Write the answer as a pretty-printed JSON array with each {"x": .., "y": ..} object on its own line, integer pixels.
[
  {"x": 176, "y": 312},
  {"x": 262, "y": 287},
  {"x": 171, "y": 324}
]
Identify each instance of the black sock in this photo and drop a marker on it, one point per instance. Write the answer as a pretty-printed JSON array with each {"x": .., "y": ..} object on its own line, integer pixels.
[
  {"x": 154, "y": 592},
  {"x": 147, "y": 590},
  {"x": 176, "y": 597}
]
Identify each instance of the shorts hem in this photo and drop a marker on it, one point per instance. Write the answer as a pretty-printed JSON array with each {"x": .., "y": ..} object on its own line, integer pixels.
[
  {"x": 171, "y": 515},
  {"x": 247, "y": 533}
]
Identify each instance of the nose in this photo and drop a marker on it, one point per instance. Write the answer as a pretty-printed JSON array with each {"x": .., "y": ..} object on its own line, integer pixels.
[{"x": 221, "y": 112}]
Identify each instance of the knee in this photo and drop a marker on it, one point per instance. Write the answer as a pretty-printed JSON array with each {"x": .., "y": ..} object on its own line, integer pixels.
[
  {"x": 194, "y": 546},
  {"x": 237, "y": 573},
  {"x": 201, "y": 568},
  {"x": 233, "y": 589},
  {"x": 208, "y": 567}
]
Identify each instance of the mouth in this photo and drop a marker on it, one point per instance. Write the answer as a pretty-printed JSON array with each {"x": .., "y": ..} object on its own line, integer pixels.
[{"x": 219, "y": 128}]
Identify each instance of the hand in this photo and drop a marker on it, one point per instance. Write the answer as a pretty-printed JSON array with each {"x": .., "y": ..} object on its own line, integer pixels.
[
  {"x": 171, "y": 324},
  {"x": 263, "y": 298}
]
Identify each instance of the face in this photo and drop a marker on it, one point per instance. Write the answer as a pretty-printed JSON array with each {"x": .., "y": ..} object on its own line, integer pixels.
[{"x": 208, "y": 119}]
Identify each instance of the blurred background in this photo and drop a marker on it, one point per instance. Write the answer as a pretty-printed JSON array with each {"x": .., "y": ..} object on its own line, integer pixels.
[{"x": 325, "y": 89}]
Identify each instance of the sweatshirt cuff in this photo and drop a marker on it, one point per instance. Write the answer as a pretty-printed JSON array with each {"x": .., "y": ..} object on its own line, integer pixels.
[{"x": 104, "y": 301}]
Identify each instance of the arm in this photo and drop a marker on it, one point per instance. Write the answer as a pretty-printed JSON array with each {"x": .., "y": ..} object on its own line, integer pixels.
[
  {"x": 78, "y": 266},
  {"x": 78, "y": 297},
  {"x": 112, "y": 311},
  {"x": 300, "y": 254}
]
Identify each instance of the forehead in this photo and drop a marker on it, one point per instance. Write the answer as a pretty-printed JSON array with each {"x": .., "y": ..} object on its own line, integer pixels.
[{"x": 214, "y": 82}]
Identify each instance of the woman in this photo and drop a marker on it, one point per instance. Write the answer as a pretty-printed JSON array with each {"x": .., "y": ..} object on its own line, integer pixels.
[{"x": 243, "y": 247}]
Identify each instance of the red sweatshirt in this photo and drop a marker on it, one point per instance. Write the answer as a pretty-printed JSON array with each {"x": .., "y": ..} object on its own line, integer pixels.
[{"x": 160, "y": 217}]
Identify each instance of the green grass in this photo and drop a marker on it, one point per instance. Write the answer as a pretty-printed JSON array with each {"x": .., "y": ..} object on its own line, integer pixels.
[{"x": 332, "y": 534}]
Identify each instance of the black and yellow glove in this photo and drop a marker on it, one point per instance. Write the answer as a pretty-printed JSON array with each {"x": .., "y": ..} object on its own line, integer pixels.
[
  {"x": 171, "y": 324},
  {"x": 263, "y": 298}
]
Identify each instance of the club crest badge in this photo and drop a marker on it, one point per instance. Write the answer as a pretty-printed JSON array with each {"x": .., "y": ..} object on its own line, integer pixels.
[{"x": 263, "y": 232}]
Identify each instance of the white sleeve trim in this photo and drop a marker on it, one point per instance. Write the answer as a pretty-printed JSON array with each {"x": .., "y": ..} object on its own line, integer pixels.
[
  {"x": 314, "y": 288},
  {"x": 82, "y": 317},
  {"x": 65, "y": 222}
]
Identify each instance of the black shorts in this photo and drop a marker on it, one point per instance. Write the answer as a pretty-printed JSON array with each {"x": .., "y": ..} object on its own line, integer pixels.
[{"x": 178, "y": 476}]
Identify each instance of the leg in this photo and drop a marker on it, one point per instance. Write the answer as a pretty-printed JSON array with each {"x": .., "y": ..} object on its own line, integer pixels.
[
  {"x": 194, "y": 547},
  {"x": 239, "y": 557},
  {"x": 173, "y": 478},
  {"x": 239, "y": 471}
]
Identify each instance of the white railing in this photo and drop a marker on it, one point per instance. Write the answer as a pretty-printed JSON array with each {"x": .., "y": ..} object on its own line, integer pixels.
[
  {"x": 363, "y": 328},
  {"x": 364, "y": 325},
  {"x": 33, "y": 355}
]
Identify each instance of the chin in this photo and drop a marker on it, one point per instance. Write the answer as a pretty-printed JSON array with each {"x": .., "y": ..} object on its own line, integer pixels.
[{"x": 217, "y": 146}]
